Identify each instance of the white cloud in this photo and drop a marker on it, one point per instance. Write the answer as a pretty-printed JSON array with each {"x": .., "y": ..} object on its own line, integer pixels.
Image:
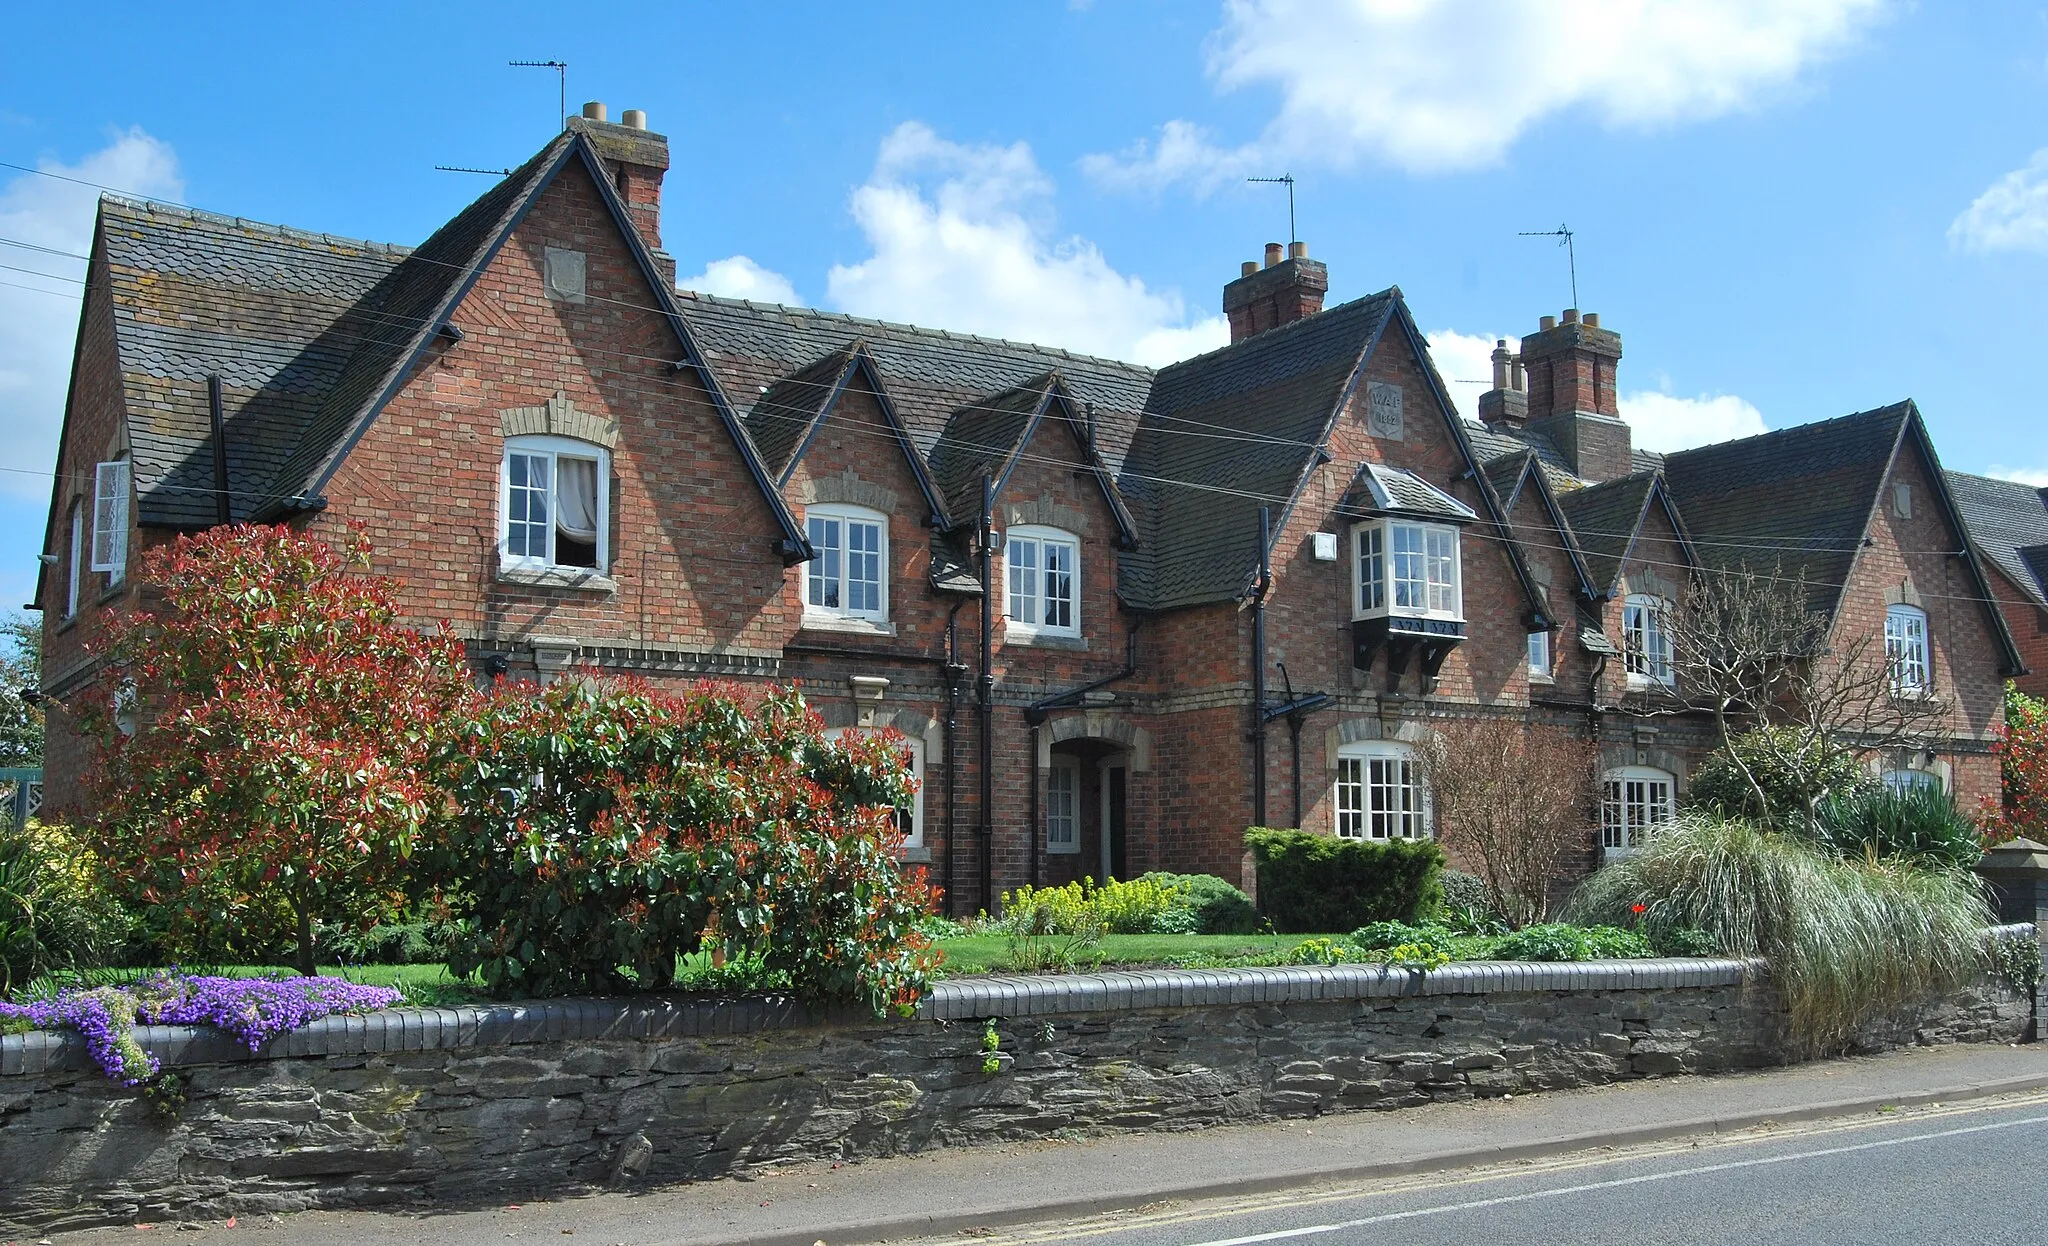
[
  {"x": 964, "y": 236},
  {"x": 739, "y": 277},
  {"x": 39, "y": 327},
  {"x": 1666, "y": 422},
  {"x": 2036, "y": 477},
  {"x": 2012, "y": 215},
  {"x": 1429, "y": 85},
  {"x": 1466, "y": 364}
]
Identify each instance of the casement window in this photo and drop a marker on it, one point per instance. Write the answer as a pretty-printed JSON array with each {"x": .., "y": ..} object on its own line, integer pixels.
[
  {"x": 1905, "y": 650},
  {"x": 110, "y": 520},
  {"x": 1063, "y": 806},
  {"x": 1379, "y": 793},
  {"x": 1043, "y": 582},
  {"x": 1635, "y": 801},
  {"x": 1539, "y": 656},
  {"x": 1408, "y": 569},
  {"x": 557, "y": 504},
  {"x": 1645, "y": 642},
  {"x": 848, "y": 575},
  {"x": 1901, "y": 782},
  {"x": 910, "y": 816},
  {"x": 75, "y": 558}
]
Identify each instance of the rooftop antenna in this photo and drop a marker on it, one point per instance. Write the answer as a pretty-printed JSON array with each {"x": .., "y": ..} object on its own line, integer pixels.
[
  {"x": 1286, "y": 179},
  {"x": 561, "y": 69},
  {"x": 456, "y": 168},
  {"x": 1563, "y": 234}
]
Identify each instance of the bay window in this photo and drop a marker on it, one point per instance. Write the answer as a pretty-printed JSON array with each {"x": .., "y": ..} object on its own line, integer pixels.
[
  {"x": 556, "y": 502},
  {"x": 1408, "y": 569}
]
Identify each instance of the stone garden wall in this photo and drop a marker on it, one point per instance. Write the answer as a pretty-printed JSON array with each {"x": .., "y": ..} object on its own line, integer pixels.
[{"x": 466, "y": 1105}]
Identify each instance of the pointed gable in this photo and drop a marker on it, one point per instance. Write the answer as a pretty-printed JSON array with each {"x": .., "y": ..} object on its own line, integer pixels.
[
  {"x": 782, "y": 420},
  {"x": 2008, "y": 521}
]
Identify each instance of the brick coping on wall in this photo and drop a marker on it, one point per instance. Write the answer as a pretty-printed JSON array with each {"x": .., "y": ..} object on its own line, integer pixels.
[{"x": 655, "y": 1018}]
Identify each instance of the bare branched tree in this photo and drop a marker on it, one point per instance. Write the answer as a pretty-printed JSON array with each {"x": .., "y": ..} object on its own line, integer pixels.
[
  {"x": 1749, "y": 650},
  {"x": 1514, "y": 799}
]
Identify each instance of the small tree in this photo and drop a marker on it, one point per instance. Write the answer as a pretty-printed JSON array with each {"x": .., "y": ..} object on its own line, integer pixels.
[
  {"x": 1515, "y": 799},
  {"x": 264, "y": 741},
  {"x": 1749, "y": 650},
  {"x": 21, "y": 711},
  {"x": 2021, "y": 809}
]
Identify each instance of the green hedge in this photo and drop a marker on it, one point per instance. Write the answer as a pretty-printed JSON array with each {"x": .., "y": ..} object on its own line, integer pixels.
[{"x": 1310, "y": 883}]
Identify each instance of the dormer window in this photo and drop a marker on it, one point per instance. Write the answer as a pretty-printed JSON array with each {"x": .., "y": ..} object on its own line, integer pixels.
[
  {"x": 1043, "y": 588},
  {"x": 849, "y": 577},
  {"x": 1646, "y": 641}
]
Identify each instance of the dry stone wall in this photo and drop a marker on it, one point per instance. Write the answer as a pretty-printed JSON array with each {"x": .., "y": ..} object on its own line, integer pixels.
[{"x": 458, "y": 1106}]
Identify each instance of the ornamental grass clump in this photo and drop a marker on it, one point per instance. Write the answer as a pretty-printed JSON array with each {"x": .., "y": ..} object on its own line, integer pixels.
[
  {"x": 1847, "y": 940},
  {"x": 254, "y": 1010}
]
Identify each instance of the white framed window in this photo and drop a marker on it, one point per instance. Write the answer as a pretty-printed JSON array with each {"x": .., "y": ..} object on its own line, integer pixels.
[
  {"x": 910, "y": 817},
  {"x": 556, "y": 502},
  {"x": 1379, "y": 793},
  {"x": 75, "y": 558},
  {"x": 1635, "y": 801},
  {"x": 1645, "y": 642},
  {"x": 1406, "y": 569},
  {"x": 1905, "y": 650},
  {"x": 1539, "y": 655},
  {"x": 110, "y": 520},
  {"x": 1042, "y": 582},
  {"x": 1901, "y": 782},
  {"x": 1063, "y": 806},
  {"x": 848, "y": 577}
]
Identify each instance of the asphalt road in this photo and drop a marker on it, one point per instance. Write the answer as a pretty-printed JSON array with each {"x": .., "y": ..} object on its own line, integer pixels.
[{"x": 1957, "y": 1174}]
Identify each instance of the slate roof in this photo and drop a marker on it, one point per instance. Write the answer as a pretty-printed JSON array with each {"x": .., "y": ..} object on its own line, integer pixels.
[
  {"x": 271, "y": 310},
  {"x": 791, "y": 407},
  {"x": 1382, "y": 490},
  {"x": 1605, "y": 520},
  {"x": 1226, "y": 431},
  {"x": 1795, "y": 501},
  {"x": 2008, "y": 522},
  {"x": 983, "y": 437}
]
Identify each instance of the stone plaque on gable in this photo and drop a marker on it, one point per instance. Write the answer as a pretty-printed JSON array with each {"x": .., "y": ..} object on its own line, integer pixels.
[{"x": 1383, "y": 410}]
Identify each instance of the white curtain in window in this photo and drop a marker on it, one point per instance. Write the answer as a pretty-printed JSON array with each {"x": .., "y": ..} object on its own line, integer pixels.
[{"x": 576, "y": 499}]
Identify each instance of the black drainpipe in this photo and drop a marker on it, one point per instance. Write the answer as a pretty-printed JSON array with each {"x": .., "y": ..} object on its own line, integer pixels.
[
  {"x": 987, "y": 707},
  {"x": 955, "y": 672},
  {"x": 1036, "y": 713},
  {"x": 1259, "y": 668},
  {"x": 223, "y": 512}
]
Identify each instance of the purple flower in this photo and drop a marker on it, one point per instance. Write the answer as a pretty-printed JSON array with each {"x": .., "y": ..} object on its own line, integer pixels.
[{"x": 254, "y": 1010}]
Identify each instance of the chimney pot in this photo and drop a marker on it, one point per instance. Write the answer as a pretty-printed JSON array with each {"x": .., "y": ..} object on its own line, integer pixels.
[
  {"x": 1249, "y": 267},
  {"x": 594, "y": 111},
  {"x": 1547, "y": 322},
  {"x": 1571, "y": 315},
  {"x": 1592, "y": 320},
  {"x": 634, "y": 118},
  {"x": 1297, "y": 250},
  {"x": 1273, "y": 253}
]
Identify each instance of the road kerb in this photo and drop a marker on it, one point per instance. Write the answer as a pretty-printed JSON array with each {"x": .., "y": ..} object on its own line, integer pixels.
[{"x": 935, "y": 1224}]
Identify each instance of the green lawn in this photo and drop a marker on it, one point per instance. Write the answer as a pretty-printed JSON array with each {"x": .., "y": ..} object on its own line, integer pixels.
[{"x": 971, "y": 954}]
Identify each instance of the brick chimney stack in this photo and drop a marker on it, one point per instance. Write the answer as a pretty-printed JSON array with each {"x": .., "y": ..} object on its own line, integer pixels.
[
  {"x": 1508, "y": 401},
  {"x": 1281, "y": 292},
  {"x": 1570, "y": 365},
  {"x": 636, "y": 158}
]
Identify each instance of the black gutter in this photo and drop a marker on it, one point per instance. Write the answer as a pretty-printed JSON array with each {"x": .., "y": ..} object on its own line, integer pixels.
[
  {"x": 1295, "y": 709},
  {"x": 220, "y": 449},
  {"x": 955, "y": 672},
  {"x": 1036, "y": 714}
]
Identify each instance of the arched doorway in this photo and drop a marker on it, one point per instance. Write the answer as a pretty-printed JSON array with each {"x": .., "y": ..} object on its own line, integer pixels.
[{"x": 1090, "y": 826}]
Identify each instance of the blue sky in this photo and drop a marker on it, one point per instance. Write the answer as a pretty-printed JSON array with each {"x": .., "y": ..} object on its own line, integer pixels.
[{"x": 1790, "y": 209}]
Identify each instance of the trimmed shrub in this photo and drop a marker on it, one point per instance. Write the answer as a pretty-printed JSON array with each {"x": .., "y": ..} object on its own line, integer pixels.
[
  {"x": 1846, "y": 939},
  {"x": 1310, "y": 882},
  {"x": 1920, "y": 826},
  {"x": 1217, "y": 907},
  {"x": 1794, "y": 768},
  {"x": 607, "y": 829}
]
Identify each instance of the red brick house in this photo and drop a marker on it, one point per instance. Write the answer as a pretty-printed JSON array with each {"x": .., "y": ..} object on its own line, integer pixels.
[{"x": 1120, "y": 614}]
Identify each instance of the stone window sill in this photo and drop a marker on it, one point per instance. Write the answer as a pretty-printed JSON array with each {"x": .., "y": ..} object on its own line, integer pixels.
[
  {"x": 579, "y": 578},
  {"x": 818, "y": 621},
  {"x": 1543, "y": 681},
  {"x": 916, "y": 855},
  {"x": 1016, "y": 634}
]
